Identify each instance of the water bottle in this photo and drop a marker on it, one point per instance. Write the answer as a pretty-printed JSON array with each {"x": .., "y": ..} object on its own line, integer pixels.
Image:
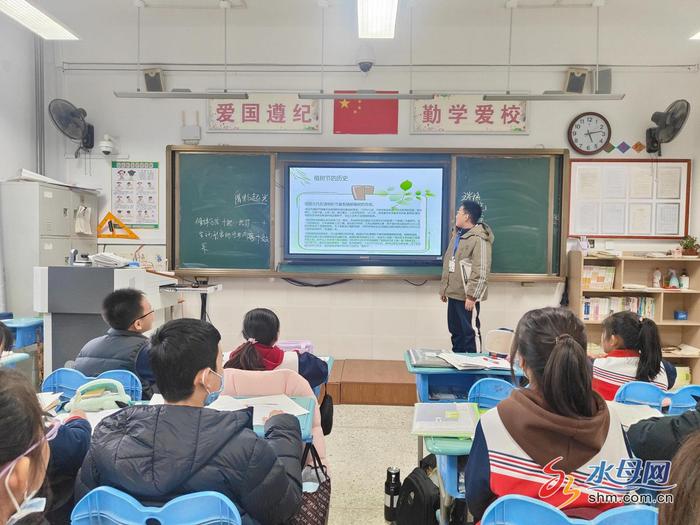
[{"x": 392, "y": 487}]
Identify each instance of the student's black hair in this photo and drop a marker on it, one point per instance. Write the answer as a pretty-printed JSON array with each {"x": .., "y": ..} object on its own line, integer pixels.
[
  {"x": 7, "y": 339},
  {"x": 179, "y": 350},
  {"x": 122, "y": 307},
  {"x": 21, "y": 419},
  {"x": 474, "y": 210},
  {"x": 641, "y": 335},
  {"x": 260, "y": 324},
  {"x": 552, "y": 345}
]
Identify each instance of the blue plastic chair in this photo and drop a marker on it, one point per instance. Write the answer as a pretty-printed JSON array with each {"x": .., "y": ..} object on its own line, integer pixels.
[
  {"x": 489, "y": 391},
  {"x": 521, "y": 510},
  {"x": 641, "y": 393},
  {"x": 67, "y": 380},
  {"x": 107, "y": 506},
  {"x": 682, "y": 400}
]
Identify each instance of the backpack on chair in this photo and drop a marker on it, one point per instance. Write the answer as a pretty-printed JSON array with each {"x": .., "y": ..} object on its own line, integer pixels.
[{"x": 418, "y": 500}]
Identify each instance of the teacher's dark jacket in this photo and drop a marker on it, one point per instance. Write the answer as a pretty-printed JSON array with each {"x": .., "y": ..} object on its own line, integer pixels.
[{"x": 157, "y": 453}]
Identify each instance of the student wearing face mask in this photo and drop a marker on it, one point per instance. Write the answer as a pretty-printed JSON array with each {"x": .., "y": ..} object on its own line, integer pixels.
[
  {"x": 158, "y": 452},
  {"x": 24, "y": 451}
]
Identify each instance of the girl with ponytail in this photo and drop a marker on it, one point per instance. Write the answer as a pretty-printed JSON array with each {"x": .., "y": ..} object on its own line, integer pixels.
[
  {"x": 544, "y": 440},
  {"x": 633, "y": 349},
  {"x": 261, "y": 328}
]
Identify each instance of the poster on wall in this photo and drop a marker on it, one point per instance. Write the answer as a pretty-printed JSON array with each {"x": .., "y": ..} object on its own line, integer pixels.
[
  {"x": 135, "y": 193},
  {"x": 468, "y": 114},
  {"x": 264, "y": 112}
]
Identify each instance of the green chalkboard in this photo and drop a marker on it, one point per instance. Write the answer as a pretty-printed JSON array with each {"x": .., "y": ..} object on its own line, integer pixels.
[
  {"x": 518, "y": 194},
  {"x": 222, "y": 204}
]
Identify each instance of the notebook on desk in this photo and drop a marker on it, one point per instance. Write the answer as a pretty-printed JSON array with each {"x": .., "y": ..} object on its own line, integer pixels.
[
  {"x": 426, "y": 358},
  {"x": 474, "y": 362}
]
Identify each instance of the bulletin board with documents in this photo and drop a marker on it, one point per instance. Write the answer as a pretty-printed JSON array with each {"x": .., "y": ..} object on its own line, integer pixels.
[{"x": 630, "y": 198}]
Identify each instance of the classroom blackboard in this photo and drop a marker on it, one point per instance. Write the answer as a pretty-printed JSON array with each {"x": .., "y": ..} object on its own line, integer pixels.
[
  {"x": 522, "y": 201},
  {"x": 222, "y": 209}
]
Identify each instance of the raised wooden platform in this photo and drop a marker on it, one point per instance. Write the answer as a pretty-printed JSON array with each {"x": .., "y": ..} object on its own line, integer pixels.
[{"x": 370, "y": 382}]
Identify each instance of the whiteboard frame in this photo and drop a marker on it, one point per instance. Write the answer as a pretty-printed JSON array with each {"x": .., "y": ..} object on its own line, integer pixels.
[{"x": 653, "y": 201}]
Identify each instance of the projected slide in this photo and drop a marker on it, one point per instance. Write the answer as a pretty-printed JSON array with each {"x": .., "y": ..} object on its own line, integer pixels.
[{"x": 365, "y": 211}]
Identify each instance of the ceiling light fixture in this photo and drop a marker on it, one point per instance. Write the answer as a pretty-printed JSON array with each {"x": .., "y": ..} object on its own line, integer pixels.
[
  {"x": 35, "y": 20},
  {"x": 376, "y": 18},
  {"x": 181, "y": 93},
  {"x": 556, "y": 95}
]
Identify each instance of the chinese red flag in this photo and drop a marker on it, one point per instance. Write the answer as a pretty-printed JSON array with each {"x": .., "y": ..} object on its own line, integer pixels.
[{"x": 366, "y": 116}]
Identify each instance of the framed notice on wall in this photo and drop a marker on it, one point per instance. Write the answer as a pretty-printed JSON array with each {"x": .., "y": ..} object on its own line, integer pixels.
[
  {"x": 135, "y": 193},
  {"x": 630, "y": 198}
]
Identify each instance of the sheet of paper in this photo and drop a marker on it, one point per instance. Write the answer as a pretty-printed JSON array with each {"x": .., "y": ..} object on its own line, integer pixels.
[
  {"x": 613, "y": 217},
  {"x": 47, "y": 400},
  {"x": 640, "y": 219},
  {"x": 641, "y": 182},
  {"x": 157, "y": 399},
  {"x": 228, "y": 404},
  {"x": 588, "y": 183},
  {"x": 262, "y": 406},
  {"x": 587, "y": 217},
  {"x": 667, "y": 216},
  {"x": 668, "y": 182},
  {"x": 614, "y": 183}
]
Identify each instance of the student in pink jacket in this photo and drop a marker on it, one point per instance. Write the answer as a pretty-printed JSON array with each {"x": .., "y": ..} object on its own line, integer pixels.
[{"x": 263, "y": 383}]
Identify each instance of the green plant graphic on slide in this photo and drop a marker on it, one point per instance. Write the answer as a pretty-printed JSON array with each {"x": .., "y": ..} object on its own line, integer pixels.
[{"x": 403, "y": 197}]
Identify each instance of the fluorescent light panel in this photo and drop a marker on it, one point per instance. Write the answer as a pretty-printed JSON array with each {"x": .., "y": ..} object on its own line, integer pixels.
[
  {"x": 179, "y": 94},
  {"x": 376, "y": 18},
  {"x": 554, "y": 96},
  {"x": 696, "y": 36},
  {"x": 35, "y": 20}
]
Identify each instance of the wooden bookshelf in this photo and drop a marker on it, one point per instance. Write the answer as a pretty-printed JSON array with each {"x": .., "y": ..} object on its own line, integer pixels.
[{"x": 638, "y": 270}]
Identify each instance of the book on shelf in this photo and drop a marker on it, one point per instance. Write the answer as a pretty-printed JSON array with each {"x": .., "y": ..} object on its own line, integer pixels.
[
  {"x": 598, "y": 308},
  {"x": 598, "y": 277}
]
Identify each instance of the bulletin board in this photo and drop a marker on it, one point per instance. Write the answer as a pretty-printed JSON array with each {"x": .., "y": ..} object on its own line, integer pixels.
[{"x": 635, "y": 199}]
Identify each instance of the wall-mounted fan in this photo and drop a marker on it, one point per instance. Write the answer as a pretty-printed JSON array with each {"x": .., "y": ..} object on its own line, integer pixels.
[
  {"x": 71, "y": 122},
  {"x": 669, "y": 124}
]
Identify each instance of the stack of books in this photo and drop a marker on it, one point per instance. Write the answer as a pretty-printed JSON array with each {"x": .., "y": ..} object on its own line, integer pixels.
[{"x": 598, "y": 308}]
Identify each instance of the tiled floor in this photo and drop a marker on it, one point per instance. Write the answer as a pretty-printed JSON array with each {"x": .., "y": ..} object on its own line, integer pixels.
[{"x": 364, "y": 442}]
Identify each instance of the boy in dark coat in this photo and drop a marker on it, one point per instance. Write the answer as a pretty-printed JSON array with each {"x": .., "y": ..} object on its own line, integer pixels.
[{"x": 156, "y": 453}]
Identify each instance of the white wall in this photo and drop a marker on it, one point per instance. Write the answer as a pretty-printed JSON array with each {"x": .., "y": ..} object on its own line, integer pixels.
[
  {"x": 374, "y": 319},
  {"x": 17, "y": 118}
]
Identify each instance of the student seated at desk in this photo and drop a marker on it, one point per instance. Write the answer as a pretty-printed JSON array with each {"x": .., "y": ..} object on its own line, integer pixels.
[
  {"x": 633, "y": 351},
  {"x": 159, "y": 452},
  {"x": 659, "y": 438},
  {"x": 68, "y": 450},
  {"x": 557, "y": 426},
  {"x": 264, "y": 383},
  {"x": 24, "y": 450},
  {"x": 261, "y": 329},
  {"x": 129, "y": 314}
]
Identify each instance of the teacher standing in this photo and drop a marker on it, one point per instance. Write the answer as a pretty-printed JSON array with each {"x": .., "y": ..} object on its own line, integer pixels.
[{"x": 465, "y": 272}]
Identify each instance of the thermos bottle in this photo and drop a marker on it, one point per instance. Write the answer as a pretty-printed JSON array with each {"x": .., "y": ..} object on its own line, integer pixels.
[{"x": 392, "y": 487}]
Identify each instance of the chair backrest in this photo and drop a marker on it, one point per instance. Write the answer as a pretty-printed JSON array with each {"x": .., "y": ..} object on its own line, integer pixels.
[
  {"x": 521, "y": 510},
  {"x": 489, "y": 391},
  {"x": 641, "y": 393},
  {"x": 682, "y": 400},
  {"x": 68, "y": 380},
  {"x": 107, "y": 506},
  {"x": 499, "y": 341}
]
